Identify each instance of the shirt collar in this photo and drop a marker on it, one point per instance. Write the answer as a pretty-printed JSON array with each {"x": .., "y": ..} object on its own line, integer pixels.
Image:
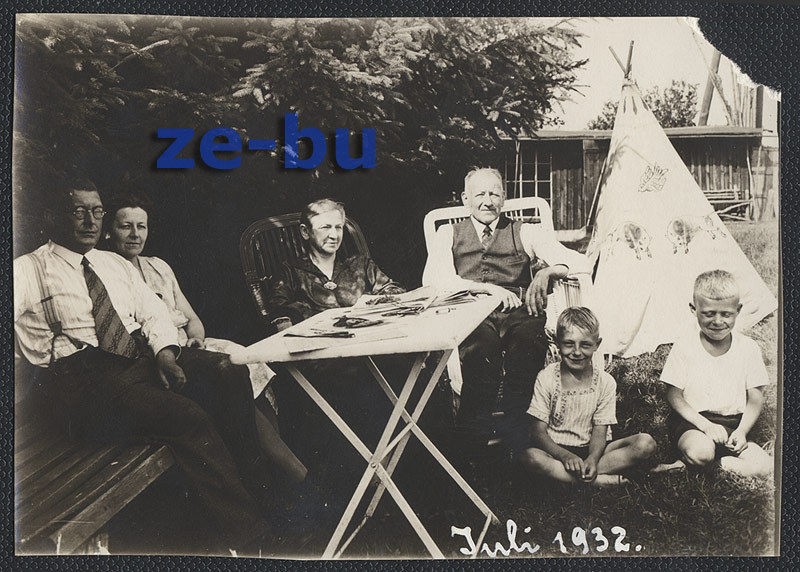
[
  {"x": 71, "y": 257},
  {"x": 479, "y": 226}
]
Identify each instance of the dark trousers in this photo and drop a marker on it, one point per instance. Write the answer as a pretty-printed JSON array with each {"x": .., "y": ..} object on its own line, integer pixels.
[
  {"x": 508, "y": 349},
  {"x": 209, "y": 424}
]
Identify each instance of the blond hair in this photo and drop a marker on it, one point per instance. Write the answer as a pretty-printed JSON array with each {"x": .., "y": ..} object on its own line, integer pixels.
[
  {"x": 577, "y": 317},
  {"x": 716, "y": 285}
]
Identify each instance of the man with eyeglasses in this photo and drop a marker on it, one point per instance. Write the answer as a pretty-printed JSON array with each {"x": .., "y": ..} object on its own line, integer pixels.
[{"x": 112, "y": 364}]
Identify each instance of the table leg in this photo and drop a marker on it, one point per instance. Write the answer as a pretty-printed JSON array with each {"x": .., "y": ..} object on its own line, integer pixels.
[
  {"x": 426, "y": 442},
  {"x": 423, "y": 400},
  {"x": 373, "y": 459}
]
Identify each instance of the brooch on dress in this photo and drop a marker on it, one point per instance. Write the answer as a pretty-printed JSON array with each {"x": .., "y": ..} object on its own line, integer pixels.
[{"x": 329, "y": 285}]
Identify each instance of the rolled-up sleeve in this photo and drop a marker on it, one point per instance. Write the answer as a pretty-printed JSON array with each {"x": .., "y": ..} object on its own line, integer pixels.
[
  {"x": 542, "y": 243},
  {"x": 152, "y": 314},
  {"x": 440, "y": 270}
]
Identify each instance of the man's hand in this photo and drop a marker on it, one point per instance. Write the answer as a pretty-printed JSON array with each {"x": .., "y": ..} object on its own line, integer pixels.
[
  {"x": 536, "y": 295},
  {"x": 169, "y": 372},
  {"x": 510, "y": 300},
  {"x": 716, "y": 433},
  {"x": 196, "y": 343},
  {"x": 589, "y": 470},
  {"x": 573, "y": 465},
  {"x": 737, "y": 442}
]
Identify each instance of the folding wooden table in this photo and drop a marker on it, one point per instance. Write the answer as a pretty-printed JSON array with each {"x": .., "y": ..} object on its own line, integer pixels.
[{"x": 435, "y": 329}]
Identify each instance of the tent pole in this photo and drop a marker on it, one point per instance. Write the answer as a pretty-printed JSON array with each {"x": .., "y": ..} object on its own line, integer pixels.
[
  {"x": 616, "y": 57},
  {"x": 589, "y": 221},
  {"x": 628, "y": 65},
  {"x": 708, "y": 93},
  {"x": 517, "y": 177}
]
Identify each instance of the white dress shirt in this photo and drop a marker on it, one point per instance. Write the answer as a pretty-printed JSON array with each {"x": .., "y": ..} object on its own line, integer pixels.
[
  {"x": 440, "y": 270},
  {"x": 137, "y": 305}
]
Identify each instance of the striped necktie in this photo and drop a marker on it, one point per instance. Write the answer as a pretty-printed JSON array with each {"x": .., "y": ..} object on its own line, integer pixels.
[
  {"x": 487, "y": 236},
  {"x": 111, "y": 333}
]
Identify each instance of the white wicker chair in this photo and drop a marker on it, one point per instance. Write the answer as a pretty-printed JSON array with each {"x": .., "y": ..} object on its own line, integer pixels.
[{"x": 574, "y": 290}]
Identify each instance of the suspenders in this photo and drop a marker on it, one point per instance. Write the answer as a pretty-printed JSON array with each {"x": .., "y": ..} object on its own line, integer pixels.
[{"x": 49, "y": 307}]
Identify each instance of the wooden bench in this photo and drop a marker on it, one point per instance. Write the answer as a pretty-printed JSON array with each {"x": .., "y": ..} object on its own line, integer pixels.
[
  {"x": 731, "y": 203},
  {"x": 66, "y": 491}
]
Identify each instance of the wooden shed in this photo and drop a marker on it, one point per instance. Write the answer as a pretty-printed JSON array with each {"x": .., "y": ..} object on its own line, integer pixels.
[{"x": 728, "y": 162}]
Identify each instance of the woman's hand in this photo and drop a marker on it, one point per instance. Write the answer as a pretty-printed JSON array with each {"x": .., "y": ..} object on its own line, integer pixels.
[{"x": 196, "y": 343}]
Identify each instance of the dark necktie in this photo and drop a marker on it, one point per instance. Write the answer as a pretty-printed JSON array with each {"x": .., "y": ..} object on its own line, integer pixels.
[
  {"x": 487, "y": 236},
  {"x": 111, "y": 333}
]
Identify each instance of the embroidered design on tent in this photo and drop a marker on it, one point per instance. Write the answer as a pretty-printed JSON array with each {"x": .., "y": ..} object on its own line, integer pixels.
[
  {"x": 681, "y": 231},
  {"x": 634, "y": 237},
  {"x": 653, "y": 179}
]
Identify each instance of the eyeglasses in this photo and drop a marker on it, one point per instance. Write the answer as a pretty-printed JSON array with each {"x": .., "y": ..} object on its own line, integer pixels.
[{"x": 81, "y": 212}]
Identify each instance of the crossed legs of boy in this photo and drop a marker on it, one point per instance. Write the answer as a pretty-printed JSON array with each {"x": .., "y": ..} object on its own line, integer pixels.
[{"x": 619, "y": 455}]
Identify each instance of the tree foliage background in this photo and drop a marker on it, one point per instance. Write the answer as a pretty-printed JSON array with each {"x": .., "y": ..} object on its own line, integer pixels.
[
  {"x": 673, "y": 106},
  {"x": 91, "y": 91}
]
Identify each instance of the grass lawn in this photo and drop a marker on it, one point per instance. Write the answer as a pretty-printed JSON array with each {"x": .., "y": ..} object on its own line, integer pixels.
[{"x": 682, "y": 513}]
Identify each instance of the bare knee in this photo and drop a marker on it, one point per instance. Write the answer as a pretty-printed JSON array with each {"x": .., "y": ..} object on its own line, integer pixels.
[
  {"x": 534, "y": 460},
  {"x": 698, "y": 453},
  {"x": 644, "y": 446}
]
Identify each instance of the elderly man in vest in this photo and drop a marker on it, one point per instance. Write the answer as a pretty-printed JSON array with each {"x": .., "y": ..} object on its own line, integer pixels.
[
  {"x": 517, "y": 262},
  {"x": 113, "y": 367}
]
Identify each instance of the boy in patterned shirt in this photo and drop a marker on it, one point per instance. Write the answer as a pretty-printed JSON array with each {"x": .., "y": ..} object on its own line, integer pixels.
[{"x": 573, "y": 407}]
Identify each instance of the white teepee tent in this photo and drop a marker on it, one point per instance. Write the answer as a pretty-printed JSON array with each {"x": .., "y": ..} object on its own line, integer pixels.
[{"x": 654, "y": 232}]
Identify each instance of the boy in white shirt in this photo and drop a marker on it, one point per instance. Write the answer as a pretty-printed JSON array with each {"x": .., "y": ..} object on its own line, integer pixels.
[{"x": 715, "y": 379}]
